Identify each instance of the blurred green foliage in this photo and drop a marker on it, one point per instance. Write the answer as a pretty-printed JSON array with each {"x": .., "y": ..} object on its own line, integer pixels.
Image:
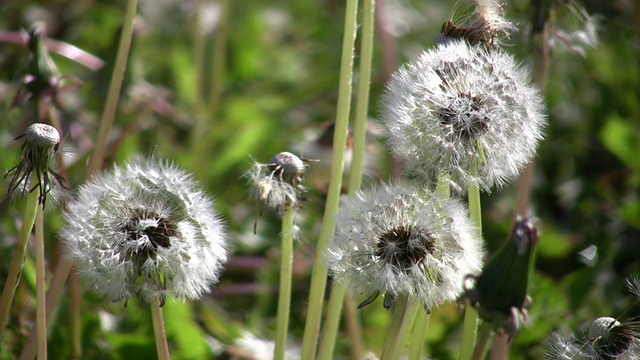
[{"x": 279, "y": 88}]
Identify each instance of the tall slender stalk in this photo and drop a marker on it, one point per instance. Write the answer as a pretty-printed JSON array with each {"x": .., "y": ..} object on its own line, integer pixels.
[
  {"x": 413, "y": 306},
  {"x": 15, "y": 269},
  {"x": 115, "y": 87},
  {"x": 419, "y": 335},
  {"x": 471, "y": 315},
  {"x": 319, "y": 271},
  {"x": 286, "y": 272},
  {"x": 54, "y": 294},
  {"x": 41, "y": 286},
  {"x": 398, "y": 308},
  {"x": 162, "y": 346},
  {"x": 338, "y": 291}
]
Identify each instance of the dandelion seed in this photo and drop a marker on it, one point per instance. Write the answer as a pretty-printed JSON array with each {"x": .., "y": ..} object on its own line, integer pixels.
[
  {"x": 145, "y": 230},
  {"x": 396, "y": 239},
  {"x": 458, "y": 105},
  {"x": 41, "y": 143},
  {"x": 484, "y": 26}
]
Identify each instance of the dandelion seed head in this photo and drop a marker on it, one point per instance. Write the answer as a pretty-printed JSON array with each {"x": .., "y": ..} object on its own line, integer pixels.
[
  {"x": 457, "y": 105},
  {"x": 34, "y": 168},
  {"x": 145, "y": 230},
  {"x": 42, "y": 135},
  {"x": 288, "y": 166},
  {"x": 396, "y": 239},
  {"x": 278, "y": 184}
]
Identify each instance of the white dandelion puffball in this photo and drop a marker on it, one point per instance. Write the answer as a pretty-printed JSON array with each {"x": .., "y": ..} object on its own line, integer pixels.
[
  {"x": 145, "y": 230},
  {"x": 458, "y": 104},
  {"x": 396, "y": 239}
]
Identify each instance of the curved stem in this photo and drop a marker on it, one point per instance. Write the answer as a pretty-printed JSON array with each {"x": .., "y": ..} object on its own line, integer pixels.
[
  {"x": 319, "y": 271},
  {"x": 15, "y": 269},
  {"x": 286, "y": 272}
]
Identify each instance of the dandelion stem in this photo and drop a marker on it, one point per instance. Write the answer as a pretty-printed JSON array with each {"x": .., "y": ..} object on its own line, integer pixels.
[
  {"x": 338, "y": 291},
  {"x": 15, "y": 270},
  {"x": 286, "y": 271},
  {"x": 219, "y": 58},
  {"x": 162, "y": 347},
  {"x": 319, "y": 271},
  {"x": 41, "y": 314},
  {"x": 398, "y": 309},
  {"x": 410, "y": 312},
  {"x": 115, "y": 86},
  {"x": 471, "y": 315},
  {"x": 483, "y": 340},
  {"x": 419, "y": 335},
  {"x": 354, "y": 328},
  {"x": 56, "y": 289}
]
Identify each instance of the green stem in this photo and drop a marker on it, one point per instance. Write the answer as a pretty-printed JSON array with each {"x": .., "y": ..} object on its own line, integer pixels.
[
  {"x": 354, "y": 328},
  {"x": 399, "y": 306},
  {"x": 319, "y": 271},
  {"x": 115, "y": 87},
  {"x": 41, "y": 287},
  {"x": 334, "y": 309},
  {"x": 15, "y": 269},
  {"x": 286, "y": 272},
  {"x": 75, "y": 318},
  {"x": 162, "y": 346},
  {"x": 219, "y": 59},
  {"x": 419, "y": 335},
  {"x": 56, "y": 288},
  {"x": 471, "y": 315},
  {"x": 338, "y": 291},
  {"x": 483, "y": 340},
  {"x": 409, "y": 316}
]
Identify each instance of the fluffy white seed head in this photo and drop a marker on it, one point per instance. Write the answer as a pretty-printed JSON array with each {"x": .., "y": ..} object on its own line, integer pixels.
[
  {"x": 146, "y": 230},
  {"x": 458, "y": 104},
  {"x": 397, "y": 239}
]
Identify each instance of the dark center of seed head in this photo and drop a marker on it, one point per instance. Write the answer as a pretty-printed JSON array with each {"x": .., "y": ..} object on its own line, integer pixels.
[
  {"x": 466, "y": 115},
  {"x": 404, "y": 247},
  {"x": 159, "y": 235}
]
